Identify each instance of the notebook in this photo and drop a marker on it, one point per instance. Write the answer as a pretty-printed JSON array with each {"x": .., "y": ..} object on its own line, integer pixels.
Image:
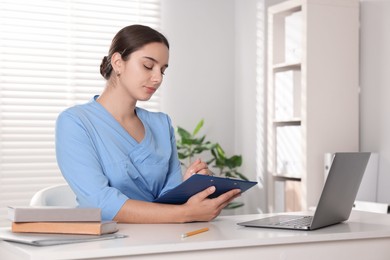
[{"x": 336, "y": 201}]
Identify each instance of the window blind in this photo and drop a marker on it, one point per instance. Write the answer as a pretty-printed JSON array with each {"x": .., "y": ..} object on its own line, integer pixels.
[{"x": 50, "y": 54}]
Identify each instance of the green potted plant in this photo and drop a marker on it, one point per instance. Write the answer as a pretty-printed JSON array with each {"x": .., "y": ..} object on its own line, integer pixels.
[
  {"x": 189, "y": 144},
  {"x": 227, "y": 166}
]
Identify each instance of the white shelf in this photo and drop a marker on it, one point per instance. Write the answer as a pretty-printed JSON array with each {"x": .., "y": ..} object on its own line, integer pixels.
[
  {"x": 313, "y": 64},
  {"x": 286, "y": 66},
  {"x": 281, "y": 177},
  {"x": 292, "y": 121}
]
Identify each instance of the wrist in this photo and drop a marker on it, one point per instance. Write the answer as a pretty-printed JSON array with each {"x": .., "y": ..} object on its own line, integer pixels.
[{"x": 183, "y": 214}]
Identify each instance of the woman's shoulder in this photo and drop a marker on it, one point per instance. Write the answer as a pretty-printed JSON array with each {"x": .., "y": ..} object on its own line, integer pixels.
[{"x": 79, "y": 111}]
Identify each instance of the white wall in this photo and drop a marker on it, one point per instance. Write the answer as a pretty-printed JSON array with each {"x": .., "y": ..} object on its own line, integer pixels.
[
  {"x": 200, "y": 78},
  {"x": 249, "y": 97},
  {"x": 213, "y": 75},
  {"x": 375, "y": 87}
]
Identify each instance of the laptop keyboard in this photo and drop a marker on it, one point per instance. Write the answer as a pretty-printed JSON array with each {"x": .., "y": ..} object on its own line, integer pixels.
[
  {"x": 303, "y": 221},
  {"x": 289, "y": 221}
]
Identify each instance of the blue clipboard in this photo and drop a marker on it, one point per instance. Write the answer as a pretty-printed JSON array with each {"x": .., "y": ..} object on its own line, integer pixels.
[{"x": 197, "y": 183}]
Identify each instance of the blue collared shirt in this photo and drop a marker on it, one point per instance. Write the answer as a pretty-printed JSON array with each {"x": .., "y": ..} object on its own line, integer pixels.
[{"x": 105, "y": 166}]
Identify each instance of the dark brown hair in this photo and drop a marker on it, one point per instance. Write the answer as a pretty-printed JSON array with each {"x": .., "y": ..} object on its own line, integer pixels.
[{"x": 128, "y": 40}]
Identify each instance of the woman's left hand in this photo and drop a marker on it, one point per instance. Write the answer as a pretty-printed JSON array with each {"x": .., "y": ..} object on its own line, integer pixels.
[{"x": 197, "y": 167}]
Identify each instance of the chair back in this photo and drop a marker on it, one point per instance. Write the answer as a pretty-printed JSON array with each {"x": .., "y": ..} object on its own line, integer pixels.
[{"x": 57, "y": 195}]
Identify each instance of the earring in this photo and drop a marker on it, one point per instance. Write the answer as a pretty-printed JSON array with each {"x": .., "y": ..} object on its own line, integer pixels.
[{"x": 117, "y": 74}]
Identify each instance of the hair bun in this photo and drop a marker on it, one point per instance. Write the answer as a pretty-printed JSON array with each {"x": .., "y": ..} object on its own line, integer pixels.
[{"x": 105, "y": 68}]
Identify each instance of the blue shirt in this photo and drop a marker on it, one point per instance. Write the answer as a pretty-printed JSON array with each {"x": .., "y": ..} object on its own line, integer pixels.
[{"x": 105, "y": 166}]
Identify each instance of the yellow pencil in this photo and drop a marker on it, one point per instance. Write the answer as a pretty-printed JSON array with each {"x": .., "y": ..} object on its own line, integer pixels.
[{"x": 194, "y": 232}]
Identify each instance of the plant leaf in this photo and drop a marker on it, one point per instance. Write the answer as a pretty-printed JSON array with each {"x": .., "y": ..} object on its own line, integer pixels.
[
  {"x": 220, "y": 151},
  {"x": 241, "y": 176},
  {"x": 198, "y": 127},
  {"x": 233, "y": 205}
]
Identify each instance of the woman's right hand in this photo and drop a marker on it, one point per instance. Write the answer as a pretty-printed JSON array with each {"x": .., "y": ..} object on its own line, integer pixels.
[
  {"x": 197, "y": 167},
  {"x": 201, "y": 208}
]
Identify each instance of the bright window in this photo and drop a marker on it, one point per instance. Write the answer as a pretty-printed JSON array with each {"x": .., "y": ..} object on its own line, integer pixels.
[{"x": 50, "y": 54}]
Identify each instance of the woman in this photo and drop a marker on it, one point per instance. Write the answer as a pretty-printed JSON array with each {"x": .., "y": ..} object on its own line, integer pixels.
[{"x": 119, "y": 157}]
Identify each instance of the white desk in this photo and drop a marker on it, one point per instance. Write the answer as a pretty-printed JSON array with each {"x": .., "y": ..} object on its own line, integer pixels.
[{"x": 363, "y": 236}]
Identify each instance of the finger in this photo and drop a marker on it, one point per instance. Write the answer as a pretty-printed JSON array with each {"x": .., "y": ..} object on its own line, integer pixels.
[
  {"x": 205, "y": 193},
  {"x": 205, "y": 172},
  {"x": 230, "y": 200},
  {"x": 193, "y": 168},
  {"x": 201, "y": 167},
  {"x": 227, "y": 197}
]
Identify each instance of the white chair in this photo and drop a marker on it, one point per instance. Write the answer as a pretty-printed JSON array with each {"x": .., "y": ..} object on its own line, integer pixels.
[
  {"x": 57, "y": 195},
  {"x": 375, "y": 207}
]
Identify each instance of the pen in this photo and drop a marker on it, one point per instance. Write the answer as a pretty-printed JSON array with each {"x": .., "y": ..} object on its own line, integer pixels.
[{"x": 194, "y": 232}]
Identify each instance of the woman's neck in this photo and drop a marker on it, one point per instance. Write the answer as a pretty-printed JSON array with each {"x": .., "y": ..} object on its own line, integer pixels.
[{"x": 120, "y": 106}]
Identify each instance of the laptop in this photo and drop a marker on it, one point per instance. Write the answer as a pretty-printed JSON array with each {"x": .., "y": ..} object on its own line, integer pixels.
[{"x": 336, "y": 201}]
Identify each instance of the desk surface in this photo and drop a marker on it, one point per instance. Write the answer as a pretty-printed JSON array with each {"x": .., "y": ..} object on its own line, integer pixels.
[{"x": 146, "y": 240}]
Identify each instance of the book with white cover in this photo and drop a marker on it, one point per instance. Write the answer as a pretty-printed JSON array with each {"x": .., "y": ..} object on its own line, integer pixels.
[{"x": 53, "y": 214}]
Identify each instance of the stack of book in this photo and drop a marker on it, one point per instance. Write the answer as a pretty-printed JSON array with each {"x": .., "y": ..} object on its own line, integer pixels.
[{"x": 59, "y": 220}]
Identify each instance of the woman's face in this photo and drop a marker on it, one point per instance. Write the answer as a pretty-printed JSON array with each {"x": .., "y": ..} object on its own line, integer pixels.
[{"x": 142, "y": 74}]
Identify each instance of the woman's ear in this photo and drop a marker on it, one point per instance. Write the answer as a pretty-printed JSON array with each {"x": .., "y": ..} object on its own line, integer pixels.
[{"x": 117, "y": 63}]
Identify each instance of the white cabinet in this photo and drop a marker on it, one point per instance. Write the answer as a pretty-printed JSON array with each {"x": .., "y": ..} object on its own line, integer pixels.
[{"x": 312, "y": 95}]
